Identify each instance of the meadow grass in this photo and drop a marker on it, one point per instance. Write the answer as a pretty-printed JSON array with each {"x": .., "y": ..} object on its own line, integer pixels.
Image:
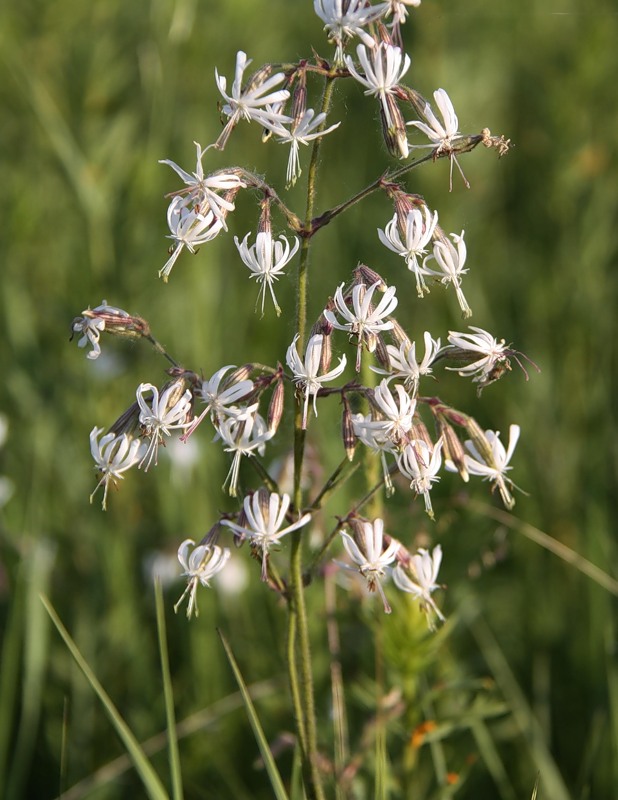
[{"x": 523, "y": 679}]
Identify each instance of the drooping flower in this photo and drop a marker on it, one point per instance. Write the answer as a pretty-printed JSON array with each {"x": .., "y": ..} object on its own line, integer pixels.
[
  {"x": 487, "y": 351},
  {"x": 303, "y": 131},
  {"x": 384, "y": 66},
  {"x": 220, "y": 395},
  {"x": 112, "y": 456},
  {"x": 403, "y": 363},
  {"x": 253, "y": 101},
  {"x": 450, "y": 263},
  {"x": 364, "y": 320},
  {"x": 409, "y": 238},
  {"x": 189, "y": 228},
  {"x": 493, "y": 462},
  {"x": 264, "y": 515},
  {"x": 420, "y": 465},
  {"x": 374, "y": 434},
  {"x": 165, "y": 411},
  {"x": 266, "y": 260},
  {"x": 421, "y": 583},
  {"x": 199, "y": 566},
  {"x": 366, "y": 550},
  {"x": 397, "y": 414},
  {"x": 306, "y": 374},
  {"x": 442, "y": 135},
  {"x": 203, "y": 190},
  {"x": 243, "y": 434},
  {"x": 344, "y": 19}
]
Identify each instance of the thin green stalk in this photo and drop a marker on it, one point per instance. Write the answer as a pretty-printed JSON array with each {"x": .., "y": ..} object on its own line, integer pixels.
[{"x": 299, "y": 650}]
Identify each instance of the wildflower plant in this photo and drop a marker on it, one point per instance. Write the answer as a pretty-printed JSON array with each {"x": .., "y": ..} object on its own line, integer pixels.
[{"x": 355, "y": 350}]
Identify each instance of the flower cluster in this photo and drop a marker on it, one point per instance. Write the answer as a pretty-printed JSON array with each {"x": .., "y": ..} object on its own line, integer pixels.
[{"x": 416, "y": 436}]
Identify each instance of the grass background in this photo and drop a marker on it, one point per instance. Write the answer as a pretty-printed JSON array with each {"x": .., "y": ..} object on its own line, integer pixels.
[{"x": 525, "y": 679}]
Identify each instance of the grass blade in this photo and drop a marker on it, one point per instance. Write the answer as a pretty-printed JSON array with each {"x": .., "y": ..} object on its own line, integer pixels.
[
  {"x": 149, "y": 777},
  {"x": 172, "y": 735},
  {"x": 269, "y": 761}
]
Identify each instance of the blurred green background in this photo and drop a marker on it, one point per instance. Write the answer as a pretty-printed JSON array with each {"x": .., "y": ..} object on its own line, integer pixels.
[{"x": 525, "y": 679}]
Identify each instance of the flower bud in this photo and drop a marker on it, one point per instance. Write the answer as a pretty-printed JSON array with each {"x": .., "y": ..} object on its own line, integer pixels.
[
  {"x": 393, "y": 128},
  {"x": 347, "y": 430},
  {"x": 275, "y": 409},
  {"x": 453, "y": 449}
]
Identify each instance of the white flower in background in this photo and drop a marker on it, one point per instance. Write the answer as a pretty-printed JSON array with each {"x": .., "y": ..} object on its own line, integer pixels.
[
  {"x": 306, "y": 373},
  {"x": 265, "y": 514},
  {"x": 421, "y": 465},
  {"x": 243, "y": 434},
  {"x": 419, "y": 230},
  {"x": 202, "y": 190},
  {"x": 252, "y": 101},
  {"x": 450, "y": 262},
  {"x": 422, "y": 582},
  {"x": 266, "y": 260},
  {"x": 493, "y": 463},
  {"x": 112, "y": 456},
  {"x": 399, "y": 11},
  {"x": 363, "y": 320},
  {"x": 384, "y": 66},
  {"x": 161, "y": 414},
  {"x": 480, "y": 343},
  {"x": 398, "y": 414},
  {"x": 403, "y": 363},
  {"x": 442, "y": 135},
  {"x": 301, "y": 132},
  {"x": 366, "y": 550},
  {"x": 189, "y": 228},
  {"x": 199, "y": 566}
]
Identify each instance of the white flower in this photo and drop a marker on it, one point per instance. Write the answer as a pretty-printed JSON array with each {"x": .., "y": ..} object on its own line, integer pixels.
[
  {"x": 199, "y": 567},
  {"x": 346, "y": 18},
  {"x": 250, "y": 102},
  {"x": 165, "y": 412},
  {"x": 242, "y": 434},
  {"x": 301, "y": 132},
  {"x": 493, "y": 463},
  {"x": 442, "y": 135},
  {"x": 265, "y": 515},
  {"x": 483, "y": 344},
  {"x": 399, "y": 11},
  {"x": 220, "y": 398},
  {"x": 368, "y": 554},
  {"x": 266, "y": 260},
  {"x": 450, "y": 262},
  {"x": 202, "y": 190},
  {"x": 425, "y": 567},
  {"x": 374, "y": 434},
  {"x": 384, "y": 66},
  {"x": 419, "y": 230},
  {"x": 307, "y": 374},
  {"x": 91, "y": 330},
  {"x": 421, "y": 465},
  {"x": 113, "y": 455},
  {"x": 364, "y": 321},
  {"x": 189, "y": 228},
  {"x": 398, "y": 414},
  {"x": 403, "y": 363}
]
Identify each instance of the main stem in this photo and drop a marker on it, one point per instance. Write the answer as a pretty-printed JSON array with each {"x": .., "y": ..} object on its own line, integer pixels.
[{"x": 299, "y": 649}]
